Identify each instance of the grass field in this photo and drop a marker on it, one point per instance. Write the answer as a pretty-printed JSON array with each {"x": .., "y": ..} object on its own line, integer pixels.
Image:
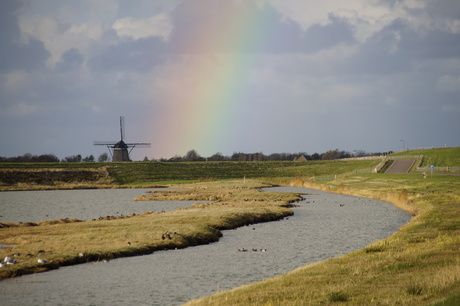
[
  {"x": 419, "y": 265},
  {"x": 441, "y": 157},
  {"x": 106, "y": 175}
]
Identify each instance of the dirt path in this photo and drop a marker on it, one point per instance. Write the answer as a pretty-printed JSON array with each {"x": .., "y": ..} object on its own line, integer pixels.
[{"x": 401, "y": 166}]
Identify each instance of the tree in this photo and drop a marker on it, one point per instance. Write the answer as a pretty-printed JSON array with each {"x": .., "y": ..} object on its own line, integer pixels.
[
  {"x": 45, "y": 158},
  {"x": 72, "y": 159},
  {"x": 217, "y": 157},
  {"x": 315, "y": 156},
  {"x": 193, "y": 155},
  {"x": 104, "y": 157},
  {"x": 89, "y": 158}
]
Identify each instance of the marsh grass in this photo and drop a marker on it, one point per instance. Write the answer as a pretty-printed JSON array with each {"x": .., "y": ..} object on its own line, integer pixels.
[
  {"x": 337, "y": 296},
  {"x": 60, "y": 241},
  {"x": 419, "y": 265}
]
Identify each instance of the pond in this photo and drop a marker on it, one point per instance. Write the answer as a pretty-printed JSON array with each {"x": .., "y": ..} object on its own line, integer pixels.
[{"x": 324, "y": 226}]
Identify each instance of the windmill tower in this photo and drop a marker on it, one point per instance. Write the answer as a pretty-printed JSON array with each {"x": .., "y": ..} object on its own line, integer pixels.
[{"x": 119, "y": 151}]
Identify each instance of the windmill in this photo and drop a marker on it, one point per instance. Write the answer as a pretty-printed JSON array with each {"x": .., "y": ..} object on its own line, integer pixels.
[{"x": 120, "y": 150}]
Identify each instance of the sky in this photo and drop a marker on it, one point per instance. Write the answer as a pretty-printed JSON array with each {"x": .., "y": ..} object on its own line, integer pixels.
[{"x": 227, "y": 76}]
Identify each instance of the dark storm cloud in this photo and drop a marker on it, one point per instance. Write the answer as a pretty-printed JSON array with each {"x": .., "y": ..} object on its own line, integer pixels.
[
  {"x": 17, "y": 54},
  {"x": 398, "y": 45},
  {"x": 381, "y": 53}
]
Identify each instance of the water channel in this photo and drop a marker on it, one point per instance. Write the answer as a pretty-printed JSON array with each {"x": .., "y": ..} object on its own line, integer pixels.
[{"x": 324, "y": 226}]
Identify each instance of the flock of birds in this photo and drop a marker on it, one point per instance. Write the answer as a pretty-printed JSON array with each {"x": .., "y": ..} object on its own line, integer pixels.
[{"x": 11, "y": 260}]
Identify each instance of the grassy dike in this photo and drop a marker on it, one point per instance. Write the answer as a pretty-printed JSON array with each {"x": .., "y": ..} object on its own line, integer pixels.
[
  {"x": 419, "y": 265},
  {"x": 68, "y": 242}
]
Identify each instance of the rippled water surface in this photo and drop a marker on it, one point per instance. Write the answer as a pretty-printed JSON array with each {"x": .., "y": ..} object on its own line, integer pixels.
[
  {"x": 320, "y": 229},
  {"x": 34, "y": 206}
]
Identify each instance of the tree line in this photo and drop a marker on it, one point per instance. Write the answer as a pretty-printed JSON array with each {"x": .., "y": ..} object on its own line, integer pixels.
[
  {"x": 193, "y": 155},
  {"x": 51, "y": 158}
]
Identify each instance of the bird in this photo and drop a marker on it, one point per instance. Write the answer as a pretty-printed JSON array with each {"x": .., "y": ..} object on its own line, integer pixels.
[
  {"x": 41, "y": 260},
  {"x": 81, "y": 254},
  {"x": 10, "y": 260},
  {"x": 2, "y": 264},
  {"x": 168, "y": 235},
  {"x": 341, "y": 205},
  {"x": 129, "y": 243}
]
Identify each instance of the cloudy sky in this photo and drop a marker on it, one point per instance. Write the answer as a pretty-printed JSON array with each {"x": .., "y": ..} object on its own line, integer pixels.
[{"x": 228, "y": 76}]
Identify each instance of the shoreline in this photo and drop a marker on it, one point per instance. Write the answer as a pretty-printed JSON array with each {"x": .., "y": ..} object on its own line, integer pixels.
[{"x": 205, "y": 233}]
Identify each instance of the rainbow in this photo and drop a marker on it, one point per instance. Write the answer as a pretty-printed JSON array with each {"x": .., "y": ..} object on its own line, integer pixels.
[{"x": 208, "y": 106}]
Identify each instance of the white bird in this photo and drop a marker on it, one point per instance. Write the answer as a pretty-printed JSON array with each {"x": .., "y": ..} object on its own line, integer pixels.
[
  {"x": 41, "y": 260},
  {"x": 2, "y": 264}
]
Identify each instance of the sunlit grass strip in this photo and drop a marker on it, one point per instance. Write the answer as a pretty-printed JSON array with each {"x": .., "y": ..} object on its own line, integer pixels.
[
  {"x": 140, "y": 174},
  {"x": 69, "y": 242},
  {"x": 419, "y": 265}
]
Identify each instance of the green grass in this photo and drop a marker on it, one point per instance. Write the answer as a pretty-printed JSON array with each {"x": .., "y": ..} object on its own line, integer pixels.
[
  {"x": 148, "y": 173},
  {"x": 440, "y": 157}
]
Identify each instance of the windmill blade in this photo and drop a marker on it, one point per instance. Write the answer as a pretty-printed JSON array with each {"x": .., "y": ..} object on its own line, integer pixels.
[
  {"x": 146, "y": 144},
  {"x": 105, "y": 143},
  {"x": 122, "y": 127}
]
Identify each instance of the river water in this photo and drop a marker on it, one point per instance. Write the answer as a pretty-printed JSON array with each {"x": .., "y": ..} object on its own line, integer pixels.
[
  {"x": 34, "y": 206},
  {"x": 324, "y": 226}
]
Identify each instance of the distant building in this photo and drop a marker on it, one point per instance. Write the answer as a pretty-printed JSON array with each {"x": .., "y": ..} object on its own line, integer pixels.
[{"x": 301, "y": 158}]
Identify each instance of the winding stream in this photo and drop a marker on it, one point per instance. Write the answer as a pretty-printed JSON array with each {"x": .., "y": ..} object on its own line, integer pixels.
[{"x": 324, "y": 226}]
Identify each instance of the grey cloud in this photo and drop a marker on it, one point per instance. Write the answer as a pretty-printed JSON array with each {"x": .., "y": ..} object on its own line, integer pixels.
[
  {"x": 16, "y": 54},
  {"x": 71, "y": 60},
  {"x": 198, "y": 31},
  {"x": 381, "y": 54},
  {"x": 130, "y": 55},
  {"x": 432, "y": 45},
  {"x": 319, "y": 37},
  {"x": 444, "y": 9}
]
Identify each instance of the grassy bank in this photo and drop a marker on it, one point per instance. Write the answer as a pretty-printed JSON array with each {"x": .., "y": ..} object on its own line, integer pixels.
[
  {"x": 28, "y": 176},
  {"x": 60, "y": 242},
  {"x": 440, "y": 157},
  {"x": 420, "y": 265}
]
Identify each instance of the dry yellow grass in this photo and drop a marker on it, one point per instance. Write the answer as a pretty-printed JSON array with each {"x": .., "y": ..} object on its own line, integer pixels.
[
  {"x": 420, "y": 265},
  {"x": 60, "y": 242}
]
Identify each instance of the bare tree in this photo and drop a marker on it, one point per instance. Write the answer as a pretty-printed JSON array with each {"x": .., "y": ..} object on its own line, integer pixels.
[{"x": 104, "y": 157}]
